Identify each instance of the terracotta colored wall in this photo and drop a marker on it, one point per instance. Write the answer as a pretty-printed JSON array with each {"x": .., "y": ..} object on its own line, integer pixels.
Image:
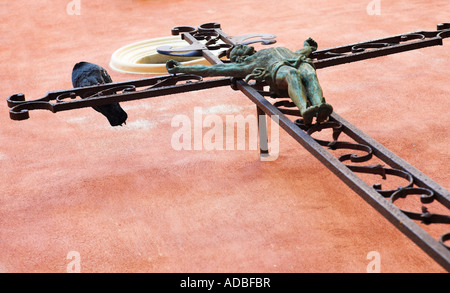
[{"x": 128, "y": 202}]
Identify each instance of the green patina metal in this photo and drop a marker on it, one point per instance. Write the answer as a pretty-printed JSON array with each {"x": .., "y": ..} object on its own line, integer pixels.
[{"x": 287, "y": 73}]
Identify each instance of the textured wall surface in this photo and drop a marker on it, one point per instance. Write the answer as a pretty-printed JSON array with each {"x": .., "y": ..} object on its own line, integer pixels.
[{"x": 126, "y": 201}]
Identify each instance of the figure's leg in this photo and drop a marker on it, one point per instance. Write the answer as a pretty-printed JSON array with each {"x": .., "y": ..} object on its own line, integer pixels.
[
  {"x": 314, "y": 91},
  {"x": 288, "y": 78}
]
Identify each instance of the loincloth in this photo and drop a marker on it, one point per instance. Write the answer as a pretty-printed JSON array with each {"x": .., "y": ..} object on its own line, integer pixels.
[{"x": 268, "y": 75}]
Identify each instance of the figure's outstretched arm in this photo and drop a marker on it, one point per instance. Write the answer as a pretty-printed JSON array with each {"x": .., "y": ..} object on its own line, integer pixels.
[
  {"x": 309, "y": 46},
  {"x": 227, "y": 69}
]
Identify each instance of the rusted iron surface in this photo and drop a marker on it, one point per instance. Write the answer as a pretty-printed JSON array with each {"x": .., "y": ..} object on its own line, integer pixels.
[
  {"x": 381, "y": 200},
  {"x": 381, "y": 47},
  {"x": 98, "y": 95}
]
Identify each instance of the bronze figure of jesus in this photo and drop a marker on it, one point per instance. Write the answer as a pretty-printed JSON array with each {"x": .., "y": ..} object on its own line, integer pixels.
[{"x": 286, "y": 72}]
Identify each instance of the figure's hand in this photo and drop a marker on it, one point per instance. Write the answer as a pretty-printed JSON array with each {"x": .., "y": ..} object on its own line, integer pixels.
[
  {"x": 311, "y": 43},
  {"x": 172, "y": 66}
]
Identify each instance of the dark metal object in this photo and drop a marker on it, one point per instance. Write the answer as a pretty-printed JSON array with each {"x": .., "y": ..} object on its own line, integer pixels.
[
  {"x": 126, "y": 91},
  {"x": 98, "y": 95},
  {"x": 382, "y": 200},
  {"x": 372, "y": 194},
  {"x": 380, "y": 47},
  {"x": 321, "y": 58}
]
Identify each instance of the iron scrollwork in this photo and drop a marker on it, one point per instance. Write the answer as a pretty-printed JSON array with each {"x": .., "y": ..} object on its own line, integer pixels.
[
  {"x": 208, "y": 37},
  {"x": 380, "y": 47},
  {"x": 427, "y": 195},
  {"x": 96, "y": 95}
]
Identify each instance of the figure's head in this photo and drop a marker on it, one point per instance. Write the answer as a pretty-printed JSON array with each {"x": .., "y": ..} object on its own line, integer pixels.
[
  {"x": 241, "y": 52},
  {"x": 86, "y": 74},
  {"x": 311, "y": 43}
]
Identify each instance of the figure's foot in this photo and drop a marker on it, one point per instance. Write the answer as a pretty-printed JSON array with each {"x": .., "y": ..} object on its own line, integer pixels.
[
  {"x": 309, "y": 114},
  {"x": 324, "y": 113}
]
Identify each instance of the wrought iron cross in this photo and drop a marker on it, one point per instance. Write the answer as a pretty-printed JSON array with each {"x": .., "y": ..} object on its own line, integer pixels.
[{"x": 344, "y": 166}]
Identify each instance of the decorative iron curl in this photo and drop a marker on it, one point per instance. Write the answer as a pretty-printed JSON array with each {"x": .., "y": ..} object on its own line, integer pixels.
[
  {"x": 97, "y": 95},
  {"x": 380, "y": 47},
  {"x": 444, "y": 237},
  {"x": 426, "y": 194},
  {"x": 370, "y": 169}
]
